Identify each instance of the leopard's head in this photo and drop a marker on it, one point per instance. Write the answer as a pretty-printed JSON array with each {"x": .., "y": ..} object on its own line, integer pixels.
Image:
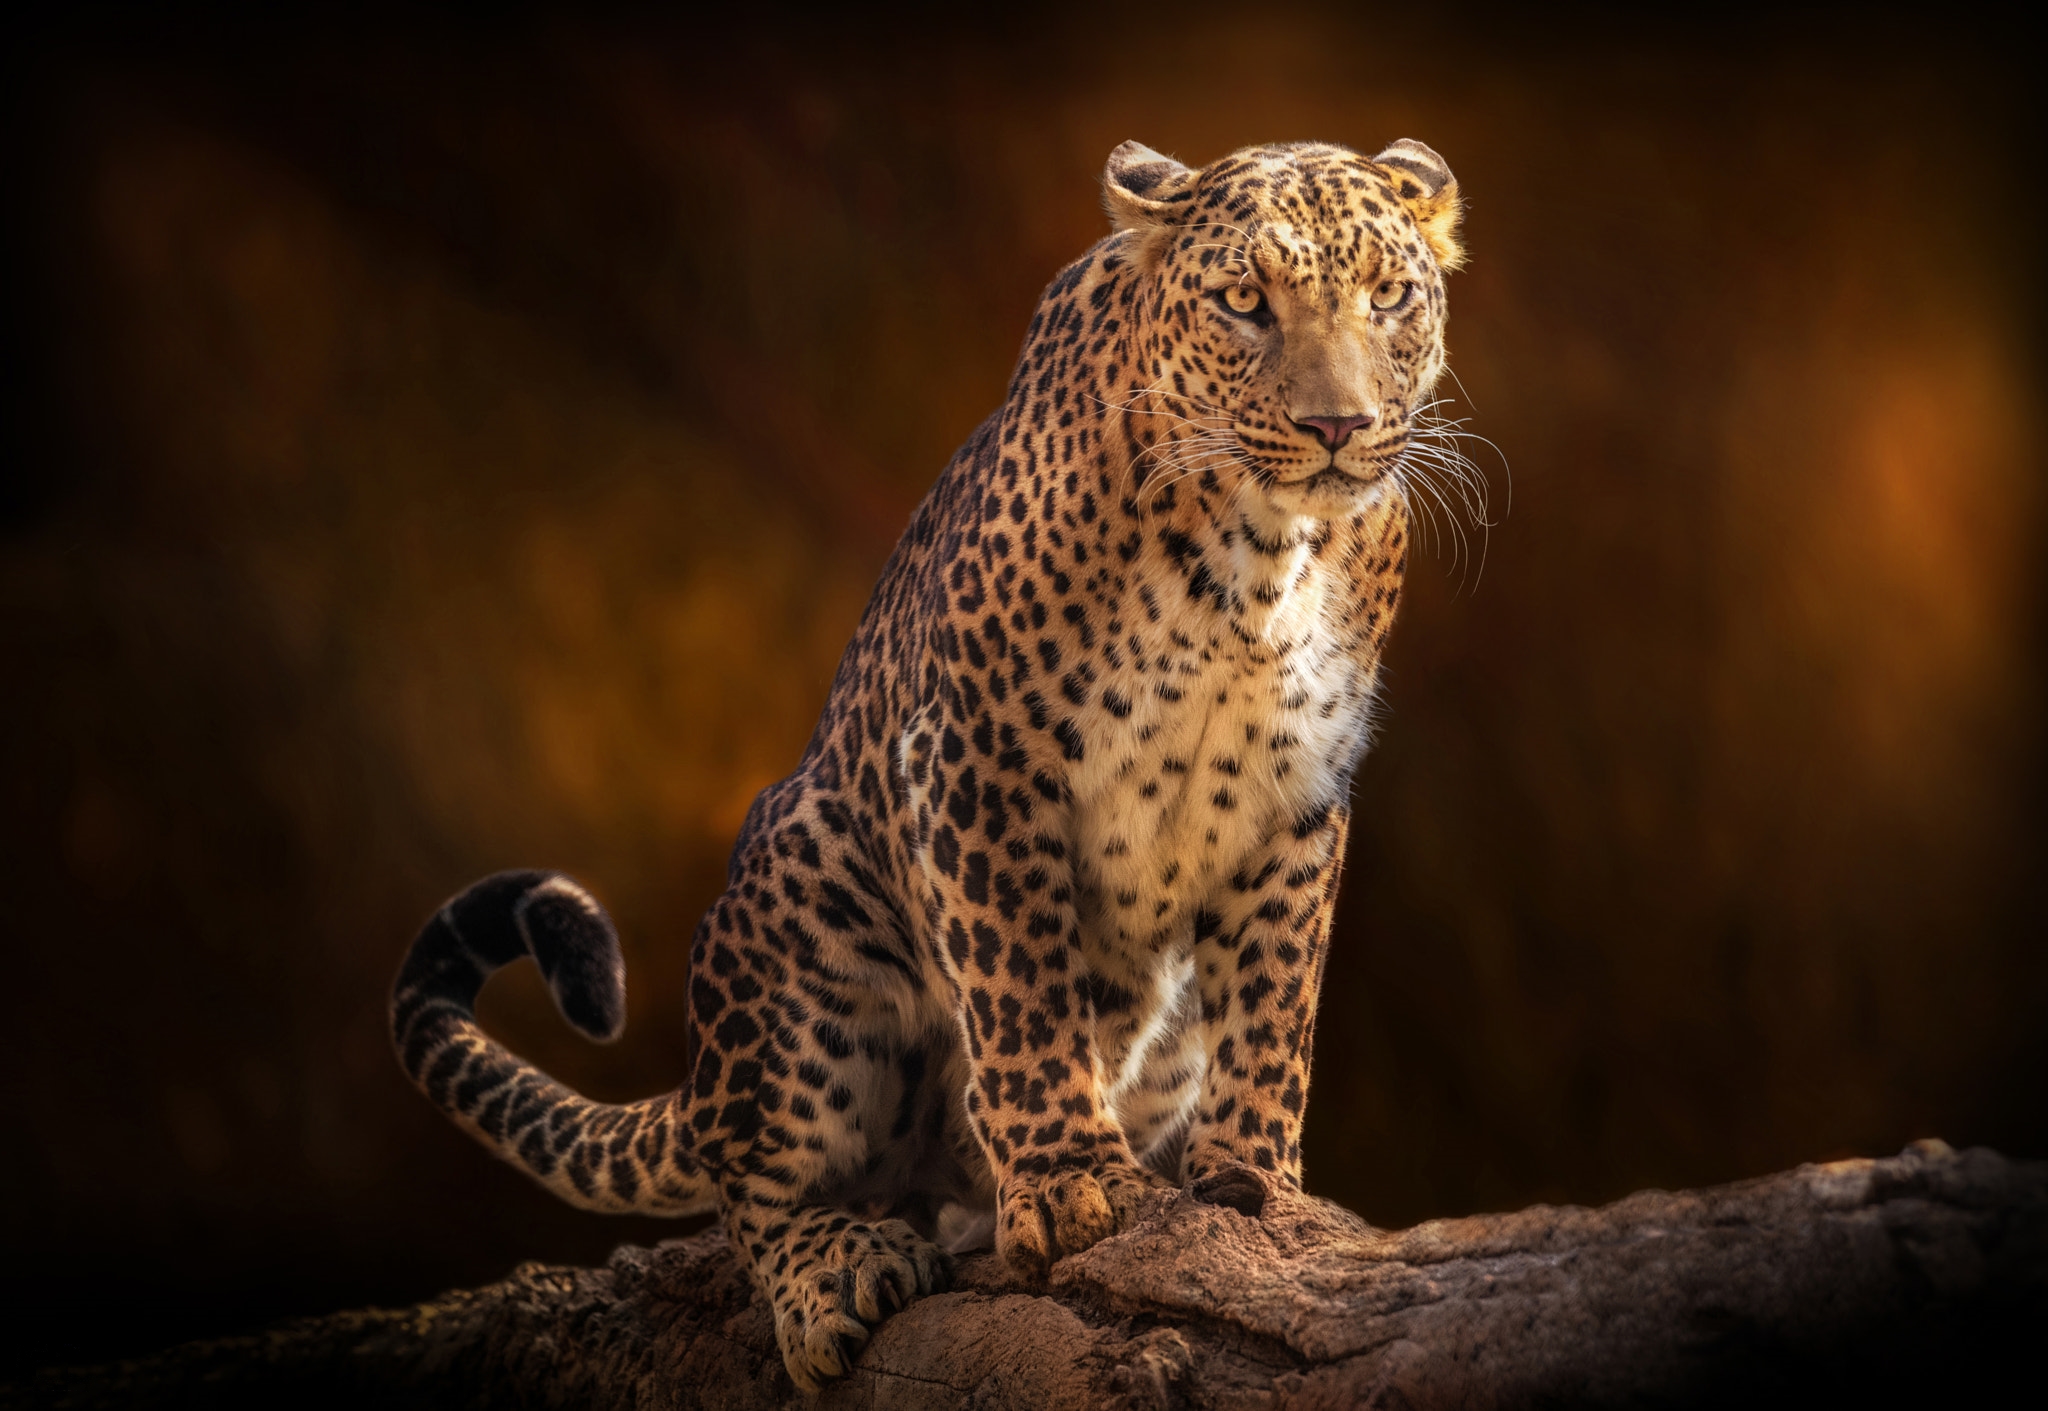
[{"x": 1289, "y": 323}]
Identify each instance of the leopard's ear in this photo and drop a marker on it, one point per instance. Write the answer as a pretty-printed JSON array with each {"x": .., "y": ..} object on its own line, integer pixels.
[
  {"x": 1426, "y": 187},
  {"x": 1143, "y": 188}
]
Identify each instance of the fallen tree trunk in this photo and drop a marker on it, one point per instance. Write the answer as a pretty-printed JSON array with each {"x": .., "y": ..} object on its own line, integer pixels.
[{"x": 1885, "y": 1280}]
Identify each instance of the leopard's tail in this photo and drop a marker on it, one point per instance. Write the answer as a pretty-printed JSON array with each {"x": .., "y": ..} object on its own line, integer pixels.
[{"x": 623, "y": 1158}]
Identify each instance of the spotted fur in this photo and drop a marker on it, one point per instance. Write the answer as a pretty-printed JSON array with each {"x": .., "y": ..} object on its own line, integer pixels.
[{"x": 1037, "y": 925}]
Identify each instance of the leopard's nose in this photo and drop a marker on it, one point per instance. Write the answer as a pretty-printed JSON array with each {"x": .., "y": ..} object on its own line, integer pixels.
[{"x": 1334, "y": 431}]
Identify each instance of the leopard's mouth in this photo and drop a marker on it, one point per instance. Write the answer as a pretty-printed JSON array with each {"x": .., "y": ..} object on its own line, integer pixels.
[
  {"x": 1332, "y": 492},
  {"x": 1375, "y": 465},
  {"x": 1336, "y": 477},
  {"x": 1340, "y": 481}
]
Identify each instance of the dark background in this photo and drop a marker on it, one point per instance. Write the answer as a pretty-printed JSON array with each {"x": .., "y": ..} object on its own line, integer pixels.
[{"x": 444, "y": 446}]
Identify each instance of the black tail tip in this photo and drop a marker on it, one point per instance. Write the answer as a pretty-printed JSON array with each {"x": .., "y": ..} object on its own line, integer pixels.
[{"x": 577, "y": 949}]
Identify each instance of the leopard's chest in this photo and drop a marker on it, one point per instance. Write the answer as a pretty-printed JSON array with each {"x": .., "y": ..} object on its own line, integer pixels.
[{"x": 1214, "y": 731}]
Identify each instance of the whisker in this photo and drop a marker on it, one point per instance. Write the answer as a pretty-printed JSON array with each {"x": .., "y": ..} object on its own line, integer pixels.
[{"x": 1461, "y": 385}]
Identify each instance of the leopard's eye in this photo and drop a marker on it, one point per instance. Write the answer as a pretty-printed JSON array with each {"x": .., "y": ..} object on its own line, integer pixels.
[
  {"x": 1391, "y": 295},
  {"x": 1242, "y": 299}
]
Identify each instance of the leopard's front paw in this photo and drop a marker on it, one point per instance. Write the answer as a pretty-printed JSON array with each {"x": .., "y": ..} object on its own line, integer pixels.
[
  {"x": 841, "y": 1280},
  {"x": 1235, "y": 1185},
  {"x": 1041, "y": 1218}
]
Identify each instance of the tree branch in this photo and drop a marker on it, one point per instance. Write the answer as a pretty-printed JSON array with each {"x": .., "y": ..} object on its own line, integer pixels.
[{"x": 1883, "y": 1280}]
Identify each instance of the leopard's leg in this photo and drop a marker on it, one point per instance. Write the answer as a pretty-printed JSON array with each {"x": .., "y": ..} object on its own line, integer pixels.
[
  {"x": 830, "y": 1278},
  {"x": 1065, "y": 1174},
  {"x": 800, "y": 986},
  {"x": 1259, "y": 954}
]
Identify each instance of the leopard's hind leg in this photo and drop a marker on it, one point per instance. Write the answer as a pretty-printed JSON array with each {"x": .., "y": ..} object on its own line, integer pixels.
[{"x": 814, "y": 1033}]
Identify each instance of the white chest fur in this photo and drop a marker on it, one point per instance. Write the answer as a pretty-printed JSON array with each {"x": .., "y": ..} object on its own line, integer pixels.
[{"x": 1236, "y": 724}]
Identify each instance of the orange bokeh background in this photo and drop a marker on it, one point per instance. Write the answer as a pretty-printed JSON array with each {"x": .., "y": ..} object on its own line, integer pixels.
[{"x": 444, "y": 450}]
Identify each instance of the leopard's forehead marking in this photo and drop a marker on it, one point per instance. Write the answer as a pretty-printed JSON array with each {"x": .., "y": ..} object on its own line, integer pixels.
[{"x": 1321, "y": 219}]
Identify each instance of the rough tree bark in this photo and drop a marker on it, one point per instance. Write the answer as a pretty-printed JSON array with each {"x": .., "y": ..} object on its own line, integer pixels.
[{"x": 1890, "y": 1280}]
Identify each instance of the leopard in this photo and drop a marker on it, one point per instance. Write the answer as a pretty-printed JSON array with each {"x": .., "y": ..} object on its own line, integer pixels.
[{"x": 1034, "y": 933}]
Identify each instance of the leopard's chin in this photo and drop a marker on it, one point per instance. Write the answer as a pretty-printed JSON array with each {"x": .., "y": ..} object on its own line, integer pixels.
[{"x": 1333, "y": 492}]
